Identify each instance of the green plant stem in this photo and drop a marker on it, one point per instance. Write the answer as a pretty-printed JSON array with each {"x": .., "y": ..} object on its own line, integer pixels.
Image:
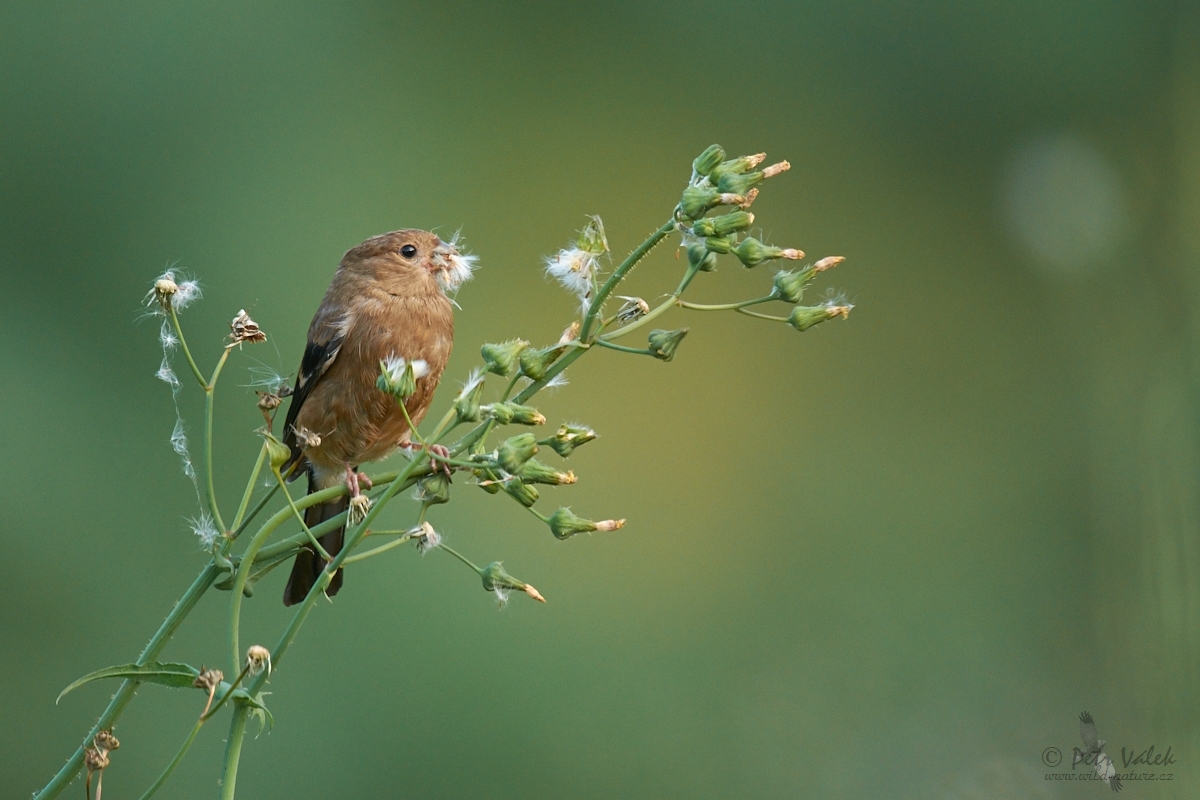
[
  {"x": 166, "y": 773},
  {"x": 619, "y": 274},
  {"x": 233, "y": 750},
  {"x": 727, "y": 306},
  {"x": 125, "y": 693},
  {"x": 241, "y": 512},
  {"x": 658, "y": 310},
  {"x": 460, "y": 557},
  {"x": 622, "y": 348},
  {"x": 184, "y": 347},
  {"x": 300, "y": 518},
  {"x": 760, "y": 316},
  {"x": 383, "y": 548},
  {"x": 209, "y": 392},
  {"x": 508, "y": 389},
  {"x": 250, "y": 517}
]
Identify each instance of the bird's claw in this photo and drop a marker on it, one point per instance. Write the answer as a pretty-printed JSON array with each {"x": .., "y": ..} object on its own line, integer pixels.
[{"x": 440, "y": 451}]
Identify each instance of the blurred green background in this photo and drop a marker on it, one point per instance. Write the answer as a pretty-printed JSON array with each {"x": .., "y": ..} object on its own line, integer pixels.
[{"x": 891, "y": 557}]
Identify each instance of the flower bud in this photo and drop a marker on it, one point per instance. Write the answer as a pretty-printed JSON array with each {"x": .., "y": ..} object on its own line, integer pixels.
[
  {"x": 535, "y": 471},
  {"x": 466, "y": 405},
  {"x": 433, "y": 489},
  {"x": 494, "y": 577},
  {"x": 790, "y": 285},
  {"x": 258, "y": 659},
  {"x": 736, "y": 166},
  {"x": 712, "y": 156},
  {"x": 804, "y": 317},
  {"x": 278, "y": 453},
  {"x": 591, "y": 238},
  {"x": 568, "y": 438},
  {"x": 664, "y": 343},
  {"x": 719, "y": 244},
  {"x": 516, "y": 451},
  {"x": 564, "y": 524},
  {"x": 489, "y": 481},
  {"x": 500, "y": 358},
  {"x": 751, "y": 252},
  {"x": 398, "y": 376},
  {"x": 701, "y": 258},
  {"x": 506, "y": 413},
  {"x": 535, "y": 363},
  {"x": 724, "y": 224},
  {"x": 699, "y": 199},
  {"x": 523, "y": 493}
]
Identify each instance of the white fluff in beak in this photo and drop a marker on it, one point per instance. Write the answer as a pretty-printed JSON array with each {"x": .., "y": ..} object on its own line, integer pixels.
[{"x": 454, "y": 268}]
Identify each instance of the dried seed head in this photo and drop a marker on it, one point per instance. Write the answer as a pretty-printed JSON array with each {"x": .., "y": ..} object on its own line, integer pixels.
[
  {"x": 634, "y": 308},
  {"x": 570, "y": 334},
  {"x": 360, "y": 504},
  {"x": 268, "y": 401},
  {"x": 829, "y": 262},
  {"x": 95, "y": 759},
  {"x": 306, "y": 438},
  {"x": 748, "y": 200},
  {"x": 427, "y": 539},
  {"x": 243, "y": 329},
  {"x": 208, "y": 679},
  {"x": 534, "y": 593},
  {"x": 105, "y": 741},
  {"x": 610, "y": 524},
  {"x": 775, "y": 169},
  {"x": 258, "y": 658}
]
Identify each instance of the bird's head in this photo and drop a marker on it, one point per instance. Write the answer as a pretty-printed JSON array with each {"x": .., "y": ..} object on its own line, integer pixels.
[{"x": 414, "y": 261}]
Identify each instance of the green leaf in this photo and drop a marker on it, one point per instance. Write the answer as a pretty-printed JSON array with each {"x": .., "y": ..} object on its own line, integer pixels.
[
  {"x": 178, "y": 676},
  {"x": 257, "y": 710}
]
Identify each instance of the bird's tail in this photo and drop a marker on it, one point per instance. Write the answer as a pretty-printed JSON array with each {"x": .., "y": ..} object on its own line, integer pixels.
[{"x": 308, "y": 564}]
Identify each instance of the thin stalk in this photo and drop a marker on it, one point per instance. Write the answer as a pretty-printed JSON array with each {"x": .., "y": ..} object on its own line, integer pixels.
[
  {"x": 166, "y": 773},
  {"x": 727, "y": 306},
  {"x": 760, "y": 316},
  {"x": 253, "y": 513},
  {"x": 300, "y": 518},
  {"x": 209, "y": 392},
  {"x": 383, "y": 548},
  {"x": 183, "y": 346},
  {"x": 241, "y": 512},
  {"x": 125, "y": 693},
  {"x": 661, "y": 308},
  {"x": 232, "y": 687},
  {"x": 233, "y": 751},
  {"x": 508, "y": 389},
  {"x": 623, "y": 349},
  {"x": 460, "y": 557},
  {"x": 619, "y": 274}
]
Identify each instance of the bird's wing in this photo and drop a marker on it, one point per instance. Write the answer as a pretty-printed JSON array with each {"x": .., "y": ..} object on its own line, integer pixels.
[
  {"x": 1107, "y": 772},
  {"x": 325, "y": 337},
  {"x": 1087, "y": 730}
]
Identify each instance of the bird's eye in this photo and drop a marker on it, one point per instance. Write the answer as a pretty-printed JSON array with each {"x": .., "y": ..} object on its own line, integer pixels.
[{"x": 408, "y": 251}]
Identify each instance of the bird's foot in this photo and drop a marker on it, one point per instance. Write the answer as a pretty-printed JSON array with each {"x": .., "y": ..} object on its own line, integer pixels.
[{"x": 364, "y": 481}]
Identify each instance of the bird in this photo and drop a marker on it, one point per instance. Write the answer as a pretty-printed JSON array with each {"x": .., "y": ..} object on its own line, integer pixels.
[
  {"x": 1094, "y": 753},
  {"x": 387, "y": 301}
]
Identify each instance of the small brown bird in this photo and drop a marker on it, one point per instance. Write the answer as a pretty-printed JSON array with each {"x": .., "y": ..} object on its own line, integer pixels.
[{"x": 387, "y": 301}]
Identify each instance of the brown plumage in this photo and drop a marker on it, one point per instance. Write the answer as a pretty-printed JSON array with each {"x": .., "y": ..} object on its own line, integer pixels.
[{"x": 387, "y": 299}]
